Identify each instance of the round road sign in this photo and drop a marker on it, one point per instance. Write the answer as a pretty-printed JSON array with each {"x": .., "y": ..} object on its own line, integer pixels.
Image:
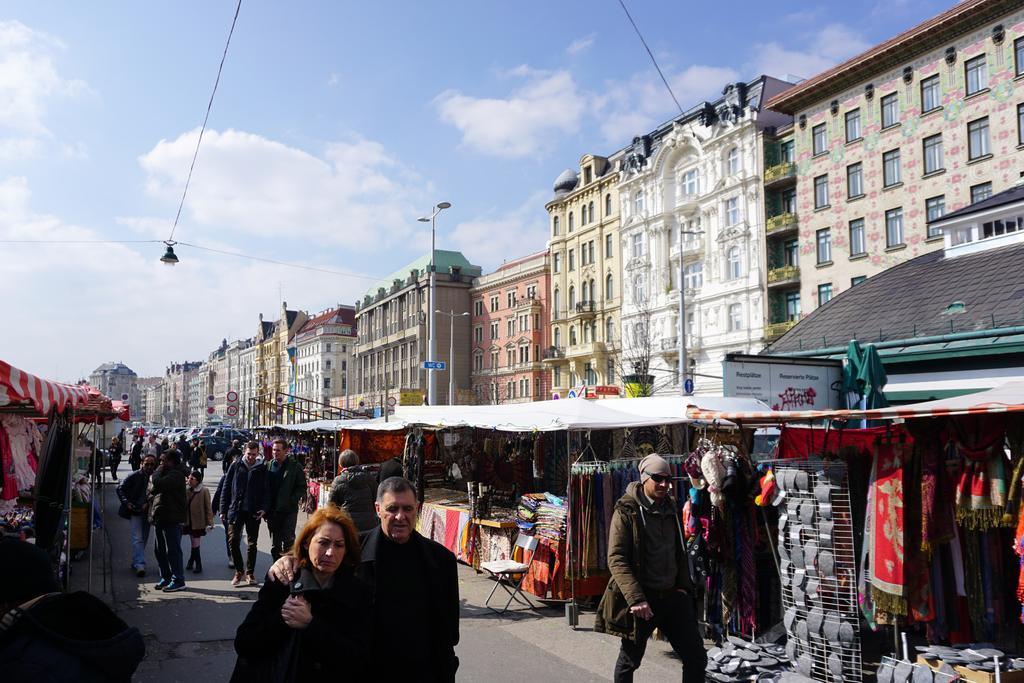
[
  {"x": 209, "y": 411},
  {"x": 232, "y": 411},
  {"x": 232, "y": 396},
  {"x": 392, "y": 401},
  {"x": 124, "y": 397}
]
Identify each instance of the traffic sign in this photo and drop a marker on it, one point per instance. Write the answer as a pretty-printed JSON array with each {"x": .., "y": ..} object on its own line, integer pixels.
[
  {"x": 433, "y": 365},
  {"x": 124, "y": 397},
  {"x": 232, "y": 410},
  {"x": 232, "y": 396},
  {"x": 392, "y": 401},
  {"x": 688, "y": 385},
  {"x": 210, "y": 411}
]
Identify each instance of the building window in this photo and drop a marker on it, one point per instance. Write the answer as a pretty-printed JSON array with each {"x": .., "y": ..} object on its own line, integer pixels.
[
  {"x": 792, "y": 306},
  {"x": 572, "y": 298},
  {"x": 824, "y": 293},
  {"x": 976, "y": 73},
  {"x": 637, "y": 241},
  {"x": 583, "y": 215},
  {"x": 891, "y": 168},
  {"x": 824, "y": 245},
  {"x": 857, "y": 246},
  {"x": 610, "y": 372},
  {"x": 819, "y": 139},
  {"x": 855, "y": 180},
  {"x": 1020, "y": 121},
  {"x": 494, "y": 330},
  {"x": 733, "y": 163},
  {"x": 934, "y": 208},
  {"x": 691, "y": 183},
  {"x": 734, "y": 264},
  {"x": 478, "y": 334},
  {"x": 821, "y": 191},
  {"x": 931, "y": 96},
  {"x": 609, "y": 288},
  {"x": 327, "y": 382},
  {"x": 607, "y": 205},
  {"x": 1018, "y": 53},
  {"x": 854, "y": 281},
  {"x": 981, "y": 192},
  {"x": 511, "y": 299},
  {"x": 608, "y": 244},
  {"x": 735, "y": 317},
  {"x": 557, "y": 338},
  {"x": 609, "y": 331},
  {"x": 556, "y": 304},
  {"x": 638, "y": 202},
  {"x": 933, "y": 160},
  {"x": 894, "y": 227},
  {"x": 478, "y": 307},
  {"x": 890, "y": 110},
  {"x": 327, "y": 347},
  {"x": 494, "y": 304},
  {"x": 570, "y": 222},
  {"x": 638, "y": 289},
  {"x": 977, "y": 138},
  {"x": 693, "y": 276},
  {"x": 732, "y": 211},
  {"x": 557, "y": 265},
  {"x": 791, "y": 252},
  {"x": 853, "y": 125},
  {"x": 789, "y": 200},
  {"x": 572, "y": 260},
  {"x": 787, "y": 151}
]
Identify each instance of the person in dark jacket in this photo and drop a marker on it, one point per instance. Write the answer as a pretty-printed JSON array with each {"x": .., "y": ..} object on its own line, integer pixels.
[
  {"x": 52, "y": 637},
  {"x": 223, "y": 518},
  {"x": 133, "y": 492},
  {"x": 135, "y": 454},
  {"x": 650, "y": 585},
  {"x": 243, "y": 502},
  {"x": 167, "y": 506},
  {"x": 115, "y": 452},
  {"x": 391, "y": 468},
  {"x": 316, "y": 622},
  {"x": 286, "y": 485},
  {"x": 414, "y": 582},
  {"x": 353, "y": 491},
  {"x": 231, "y": 455}
]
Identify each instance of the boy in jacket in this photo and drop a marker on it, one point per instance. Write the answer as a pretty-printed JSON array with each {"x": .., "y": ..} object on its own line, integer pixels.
[
  {"x": 243, "y": 505},
  {"x": 133, "y": 492}
]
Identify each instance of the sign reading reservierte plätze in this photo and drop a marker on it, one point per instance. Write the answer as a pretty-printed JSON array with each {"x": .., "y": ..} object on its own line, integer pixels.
[{"x": 784, "y": 383}]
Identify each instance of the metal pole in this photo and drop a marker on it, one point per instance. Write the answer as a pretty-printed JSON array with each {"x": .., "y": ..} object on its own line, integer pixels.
[
  {"x": 432, "y": 344},
  {"x": 451, "y": 359},
  {"x": 682, "y": 317}
]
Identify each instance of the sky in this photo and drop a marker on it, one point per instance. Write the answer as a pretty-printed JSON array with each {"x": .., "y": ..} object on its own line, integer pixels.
[{"x": 335, "y": 125}]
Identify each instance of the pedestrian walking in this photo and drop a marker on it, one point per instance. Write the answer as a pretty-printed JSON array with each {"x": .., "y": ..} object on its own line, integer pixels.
[
  {"x": 353, "y": 491},
  {"x": 167, "y": 509},
  {"x": 231, "y": 455},
  {"x": 151, "y": 447},
  {"x": 198, "y": 519},
  {"x": 185, "y": 449},
  {"x": 286, "y": 486},
  {"x": 414, "y": 582},
  {"x": 391, "y": 468},
  {"x": 223, "y": 519},
  {"x": 164, "y": 445},
  {"x": 114, "y": 453},
  {"x": 135, "y": 453},
  {"x": 133, "y": 493},
  {"x": 326, "y": 611},
  {"x": 650, "y": 586},
  {"x": 243, "y": 503},
  {"x": 198, "y": 458}
]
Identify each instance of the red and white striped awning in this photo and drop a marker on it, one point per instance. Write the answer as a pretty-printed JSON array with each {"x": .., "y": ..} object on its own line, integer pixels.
[
  {"x": 21, "y": 389},
  {"x": 1007, "y": 398}
]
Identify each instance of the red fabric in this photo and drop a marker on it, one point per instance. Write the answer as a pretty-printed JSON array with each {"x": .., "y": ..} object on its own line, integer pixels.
[
  {"x": 10, "y": 486},
  {"x": 451, "y": 530},
  {"x": 802, "y": 443}
]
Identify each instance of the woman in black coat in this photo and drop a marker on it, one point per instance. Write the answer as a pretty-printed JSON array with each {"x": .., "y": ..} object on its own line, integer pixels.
[{"x": 304, "y": 629}]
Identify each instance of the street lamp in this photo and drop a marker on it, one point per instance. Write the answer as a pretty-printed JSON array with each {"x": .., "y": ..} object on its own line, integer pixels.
[
  {"x": 682, "y": 310},
  {"x": 169, "y": 258},
  {"x": 451, "y": 353},
  {"x": 432, "y": 344}
]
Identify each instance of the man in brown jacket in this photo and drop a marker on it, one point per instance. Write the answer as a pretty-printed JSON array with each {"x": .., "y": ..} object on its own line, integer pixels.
[{"x": 650, "y": 585}]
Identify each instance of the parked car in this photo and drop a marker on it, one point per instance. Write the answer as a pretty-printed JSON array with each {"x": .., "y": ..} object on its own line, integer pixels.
[{"x": 219, "y": 440}]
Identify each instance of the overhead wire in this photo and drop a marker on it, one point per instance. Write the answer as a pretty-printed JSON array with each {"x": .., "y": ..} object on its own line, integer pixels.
[
  {"x": 651, "y": 55},
  {"x": 209, "y": 107}
]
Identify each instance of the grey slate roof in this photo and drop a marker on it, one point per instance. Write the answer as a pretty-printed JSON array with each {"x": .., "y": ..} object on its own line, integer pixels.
[{"x": 911, "y": 300}]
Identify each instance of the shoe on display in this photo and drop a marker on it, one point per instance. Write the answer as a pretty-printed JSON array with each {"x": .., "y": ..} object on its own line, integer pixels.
[
  {"x": 175, "y": 586},
  {"x": 162, "y": 584}
]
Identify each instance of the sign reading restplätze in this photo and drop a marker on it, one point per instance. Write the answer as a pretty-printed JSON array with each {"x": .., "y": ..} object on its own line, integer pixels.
[
  {"x": 784, "y": 383},
  {"x": 410, "y": 397}
]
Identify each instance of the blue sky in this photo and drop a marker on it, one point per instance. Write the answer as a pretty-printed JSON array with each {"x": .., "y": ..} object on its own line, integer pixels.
[{"x": 335, "y": 125}]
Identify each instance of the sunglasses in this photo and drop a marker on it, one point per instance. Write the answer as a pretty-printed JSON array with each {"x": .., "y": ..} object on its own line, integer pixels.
[{"x": 661, "y": 478}]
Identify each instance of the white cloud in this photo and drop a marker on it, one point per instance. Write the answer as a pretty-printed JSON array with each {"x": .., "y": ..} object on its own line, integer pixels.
[
  {"x": 821, "y": 49},
  {"x": 77, "y": 305},
  {"x": 29, "y": 85},
  {"x": 493, "y": 238},
  {"x": 548, "y": 105},
  {"x": 581, "y": 44},
  {"x": 332, "y": 80},
  {"x": 636, "y": 106},
  {"x": 354, "y": 195}
]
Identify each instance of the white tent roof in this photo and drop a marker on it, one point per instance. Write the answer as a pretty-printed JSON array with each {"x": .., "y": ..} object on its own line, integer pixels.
[
  {"x": 543, "y": 415},
  {"x": 1006, "y": 398}
]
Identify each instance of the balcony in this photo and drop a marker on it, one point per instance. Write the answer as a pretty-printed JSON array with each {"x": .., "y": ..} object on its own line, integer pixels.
[
  {"x": 689, "y": 248},
  {"x": 687, "y": 202},
  {"x": 784, "y": 222},
  {"x": 529, "y": 303},
  {"x": 585, "y": 309},
  {"x": 783, "y": 275},
  {"x": 585, "y": 349},
  {"x": 776, "y": 330},
  {"x": 553, "y": 353},
  {"x": 780, "y": 174}
]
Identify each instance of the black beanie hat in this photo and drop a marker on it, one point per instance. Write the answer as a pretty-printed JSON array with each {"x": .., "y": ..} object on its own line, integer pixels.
[{"x": 25, "y": 572}]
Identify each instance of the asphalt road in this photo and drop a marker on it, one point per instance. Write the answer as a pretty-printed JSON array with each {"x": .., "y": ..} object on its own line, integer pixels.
[{"x": 189, "y": 635}]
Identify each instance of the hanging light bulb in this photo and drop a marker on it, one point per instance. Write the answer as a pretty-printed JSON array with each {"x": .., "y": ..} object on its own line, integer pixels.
[{"x": 169, "y": 258}]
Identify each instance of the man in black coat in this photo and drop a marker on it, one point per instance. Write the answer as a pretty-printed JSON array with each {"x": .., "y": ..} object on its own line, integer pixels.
[
  {"x": 243, "y": 503},
  {"x": 415, "y": 589},
  {"x": 167, "y": 510}
]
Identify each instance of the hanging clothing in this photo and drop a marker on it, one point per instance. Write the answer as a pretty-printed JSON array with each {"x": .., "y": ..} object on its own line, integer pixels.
[{"x": 887, "y": 533}]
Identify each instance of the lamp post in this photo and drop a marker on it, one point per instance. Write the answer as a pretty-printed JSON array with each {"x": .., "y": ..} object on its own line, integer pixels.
[
  {"x": 432, "y": 343},
  {"x": 682, "y": 309},
  {"x": 452, "y": 315}
]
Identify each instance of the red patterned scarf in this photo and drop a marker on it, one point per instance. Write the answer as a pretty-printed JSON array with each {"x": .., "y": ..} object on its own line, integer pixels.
[{"x": 887, "y": 552}]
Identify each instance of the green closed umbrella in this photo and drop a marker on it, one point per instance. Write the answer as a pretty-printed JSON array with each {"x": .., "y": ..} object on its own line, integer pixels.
[{"x": 864, "y": 377}]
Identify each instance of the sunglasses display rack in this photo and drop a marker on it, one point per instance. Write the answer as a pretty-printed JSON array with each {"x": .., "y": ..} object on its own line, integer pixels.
[{"x": 817, "y": 565}]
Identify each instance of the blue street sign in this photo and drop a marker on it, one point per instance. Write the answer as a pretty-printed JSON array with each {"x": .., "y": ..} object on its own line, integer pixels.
[
  {"x": 433, "y": 365},
  {"x": 688, "y": 385}
]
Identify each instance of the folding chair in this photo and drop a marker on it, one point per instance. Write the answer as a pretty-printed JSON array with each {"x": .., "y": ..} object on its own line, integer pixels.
[{"x": 505, "y": 571}]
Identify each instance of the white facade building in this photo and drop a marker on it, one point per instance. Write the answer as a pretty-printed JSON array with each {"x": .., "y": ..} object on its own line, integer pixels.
[
  {"x": 700, "y": 173},
  {"x": 324, "y": 351},
  {"x": 247, "y": 373}
]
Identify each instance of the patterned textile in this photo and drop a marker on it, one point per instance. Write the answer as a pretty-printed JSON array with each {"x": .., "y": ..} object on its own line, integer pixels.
[
  {"x": 981, "y": 492},
  {"x": 886, "y": 534}
]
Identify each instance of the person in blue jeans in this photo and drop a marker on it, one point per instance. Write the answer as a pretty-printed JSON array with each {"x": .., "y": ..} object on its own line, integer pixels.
[
  {"x": 133, "y": 493},
  {"x": 167, "y": 509}
]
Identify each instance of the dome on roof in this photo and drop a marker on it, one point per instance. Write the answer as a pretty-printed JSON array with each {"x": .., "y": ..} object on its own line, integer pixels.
[{"x": 566, "y": 182}]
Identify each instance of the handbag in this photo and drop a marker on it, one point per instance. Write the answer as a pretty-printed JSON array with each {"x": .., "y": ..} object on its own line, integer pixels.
[
  {"x": 124, "y": 511},
  {"x": 280, "y": 667}
]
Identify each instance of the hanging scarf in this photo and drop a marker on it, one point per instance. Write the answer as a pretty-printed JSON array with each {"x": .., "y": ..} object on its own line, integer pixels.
[
  {"x": 981, "y": 492},
  {"x": 867, "y": 605},
  {"x": 918, "y": 574},
  {"x": 887, "y": 551}
]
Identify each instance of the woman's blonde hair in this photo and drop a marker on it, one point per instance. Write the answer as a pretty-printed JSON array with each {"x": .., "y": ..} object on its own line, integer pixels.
[{"x": 334, "y": 515}]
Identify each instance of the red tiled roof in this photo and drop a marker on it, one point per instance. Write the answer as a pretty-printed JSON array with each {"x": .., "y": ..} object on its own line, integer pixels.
[
  {"x": 961, "y": 18},
  {"x": 342, "y": 316}
]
